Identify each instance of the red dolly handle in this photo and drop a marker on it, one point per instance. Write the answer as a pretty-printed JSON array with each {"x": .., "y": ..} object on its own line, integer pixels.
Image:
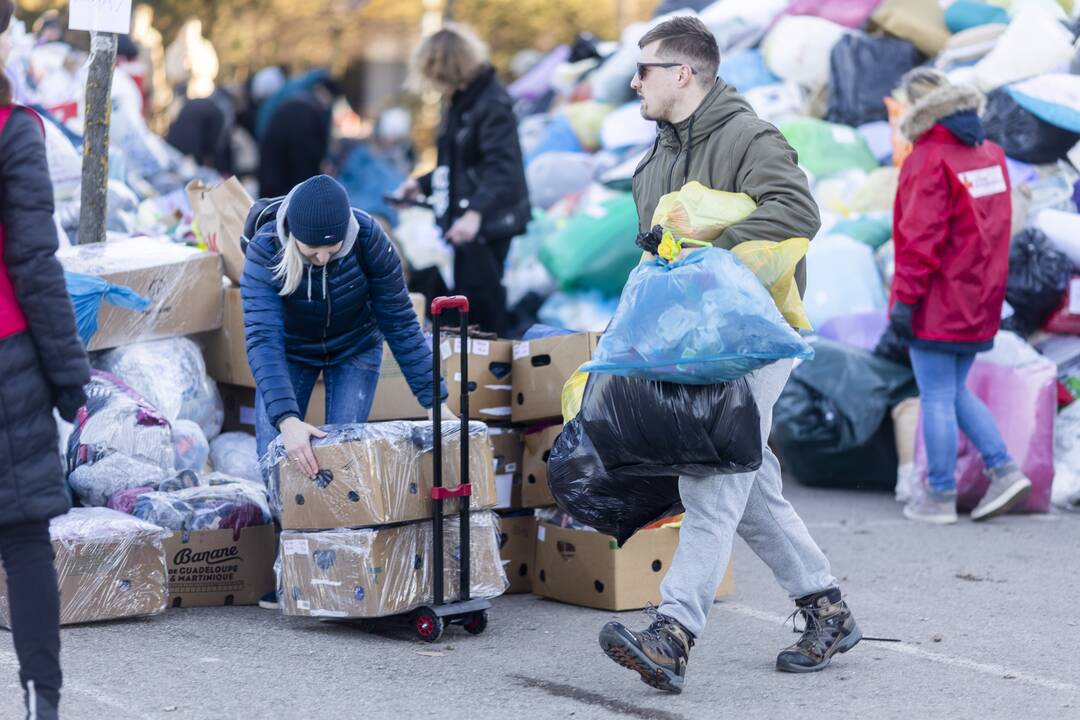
[
  {"x": 456, "y": 302},
  {"x": 442, "y": 493}
]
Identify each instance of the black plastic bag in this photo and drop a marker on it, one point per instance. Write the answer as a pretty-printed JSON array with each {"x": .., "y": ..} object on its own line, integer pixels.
[
  {"x": 862, "y": 71},
  {"x": 1022, "y": 135},
  {"x": 613, "y": 504},
  {"x": 1038, "y": 277},
  {"x": 832, "y": 426},
  {"x": 644, "y": 427}
]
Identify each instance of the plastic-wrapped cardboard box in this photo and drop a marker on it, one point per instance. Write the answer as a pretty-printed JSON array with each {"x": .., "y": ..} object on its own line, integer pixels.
[
  {"x": 108, "y": 564},
  {"x": 517, "y": 547},
  {"x": 583, "y": 567},
  {"x": 383, "y": 571},
  {"x": 375, "y": 474},
  {"x": 535, "y": 491},
  {"x": 541, "y": 368},
  {"x": 182, "y": 283}
]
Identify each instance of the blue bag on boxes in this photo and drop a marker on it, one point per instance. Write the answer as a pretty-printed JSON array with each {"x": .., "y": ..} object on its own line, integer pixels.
[{"x": 701, "y": 320}]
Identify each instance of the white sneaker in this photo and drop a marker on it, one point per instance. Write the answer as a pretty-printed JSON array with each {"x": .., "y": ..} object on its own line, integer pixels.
[
  {"x": 934, "y": 508},
  {"x": 1008, "y": 488}
]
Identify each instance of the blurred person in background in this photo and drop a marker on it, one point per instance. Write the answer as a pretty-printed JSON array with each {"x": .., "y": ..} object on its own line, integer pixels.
[
  {"x": 45, "y": 366},
  {"x": 951, "y": 225},
  {"x": 373, "y": 168},
  {"x": 296, "y": 142},
  {"x": 478, "y": 189}
]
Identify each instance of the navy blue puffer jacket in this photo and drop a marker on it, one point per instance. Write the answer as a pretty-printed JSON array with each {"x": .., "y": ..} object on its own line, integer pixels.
[{"x": 339, "y": 311}]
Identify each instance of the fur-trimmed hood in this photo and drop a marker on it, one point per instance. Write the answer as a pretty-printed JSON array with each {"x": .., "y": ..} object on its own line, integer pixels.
[{"x": 935, "y": 106}]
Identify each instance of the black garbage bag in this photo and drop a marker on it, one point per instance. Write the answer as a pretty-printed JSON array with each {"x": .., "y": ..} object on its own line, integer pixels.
[
  {"x": 1038, "y": 277},
  {"x": 612, "y": 503},
  {"x": 862, "y": 71},
  {"x": 644, "y": 427},
  {"x": 831, "y": 425},
  {"x": 1021, "y": 134}
]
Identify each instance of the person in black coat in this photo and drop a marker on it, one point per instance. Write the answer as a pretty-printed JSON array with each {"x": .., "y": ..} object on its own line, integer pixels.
[
  {"x": 44, "y": 366},
  {"x": 297, "y": 139},
  {"x": 478, "y": 190}
]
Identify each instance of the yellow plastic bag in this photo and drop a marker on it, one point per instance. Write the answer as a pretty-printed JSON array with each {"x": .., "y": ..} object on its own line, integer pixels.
[
  {"x": 697, "y": 213},
  {"x": 572, "y": 393},
  {"x": 774, "y": 264}
]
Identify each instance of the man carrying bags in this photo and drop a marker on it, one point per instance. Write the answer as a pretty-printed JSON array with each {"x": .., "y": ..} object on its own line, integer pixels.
[{"x": 707, "y": 132}]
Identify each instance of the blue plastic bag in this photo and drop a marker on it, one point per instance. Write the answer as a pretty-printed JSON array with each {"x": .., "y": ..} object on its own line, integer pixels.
[
  {"x": 87, "y": 292},
  {"x": 701, "y": 320}
]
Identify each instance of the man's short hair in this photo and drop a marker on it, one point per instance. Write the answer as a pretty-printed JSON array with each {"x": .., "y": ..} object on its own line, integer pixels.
[{"x": 687, "y": 39}]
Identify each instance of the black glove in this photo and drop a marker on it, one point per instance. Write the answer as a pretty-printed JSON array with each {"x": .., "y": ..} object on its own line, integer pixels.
[
  {"x": 901, "y": 318},
  {"x": 649, "y": 241},
  {"x": 69, "y": 400}
]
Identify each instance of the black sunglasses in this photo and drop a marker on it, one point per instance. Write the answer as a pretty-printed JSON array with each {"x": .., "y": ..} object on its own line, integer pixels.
[{"x": 643, "y": 68}]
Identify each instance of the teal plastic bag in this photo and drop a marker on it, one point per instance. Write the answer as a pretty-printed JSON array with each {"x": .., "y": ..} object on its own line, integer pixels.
[
  {"x": 595, "y": 250},
  {"x": 87, "y": 292},
  {"x": 826, "y": 148},
  {"x": 701, "y": 320},
  {"x": 871, "y": 230}
]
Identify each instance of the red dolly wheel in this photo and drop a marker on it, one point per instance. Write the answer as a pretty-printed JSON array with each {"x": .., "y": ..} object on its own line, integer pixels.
[
  {"x": 476, "y": 623},
  {"x": 428, "y": 625}
]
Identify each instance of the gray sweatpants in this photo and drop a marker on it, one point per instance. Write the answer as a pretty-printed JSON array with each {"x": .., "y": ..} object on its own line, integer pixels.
[{"x": 752, "y": 504}]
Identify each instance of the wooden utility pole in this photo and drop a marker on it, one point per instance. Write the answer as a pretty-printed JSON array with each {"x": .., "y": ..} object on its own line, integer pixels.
[{"x": 95, "y": 167}]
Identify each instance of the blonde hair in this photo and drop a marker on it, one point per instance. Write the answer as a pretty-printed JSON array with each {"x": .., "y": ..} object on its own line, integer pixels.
[
  {"x": 290, "y": 269},
  {"x": 448, "y": 59}
]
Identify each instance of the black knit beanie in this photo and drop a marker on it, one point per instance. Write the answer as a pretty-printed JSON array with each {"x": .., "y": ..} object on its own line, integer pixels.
[{"x": 319, "y": 212}]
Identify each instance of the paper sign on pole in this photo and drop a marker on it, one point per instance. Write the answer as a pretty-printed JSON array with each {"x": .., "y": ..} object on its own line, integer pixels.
[{"x": 109, "y": 16}]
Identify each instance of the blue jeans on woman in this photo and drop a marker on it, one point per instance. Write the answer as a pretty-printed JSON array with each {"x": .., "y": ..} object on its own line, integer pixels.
[
  {"x": 946, "y": 404},
  {"x": 350, "y": 390}
]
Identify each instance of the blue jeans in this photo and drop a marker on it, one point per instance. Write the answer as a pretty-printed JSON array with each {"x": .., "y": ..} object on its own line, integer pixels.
[
  {"x": 350, "y": 390},
  {"x": 946, "y": 404}
]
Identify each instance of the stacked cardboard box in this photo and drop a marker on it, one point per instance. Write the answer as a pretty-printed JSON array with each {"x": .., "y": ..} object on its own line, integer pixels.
[
  {"x": 583, "y": 567},
  {"x": 108, "y": 565},
  {"x": 354, "y": 535}
]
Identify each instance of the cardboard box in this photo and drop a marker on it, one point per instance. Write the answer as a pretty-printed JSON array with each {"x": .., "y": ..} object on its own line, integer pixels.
[
  {"x": 541, "y": 368},
  {"x": 394, "y": 399},
  {"x": 220, "y": 567},
  {"x": 239, "y": 404},
  {"x": 379, "y": 473},
  {"x": 588, "y": 568},
  {"x": 508, "y": 445},
  {"x": 109, "y": 565},
  {"x": 489, "y": 377},
  {"x": 535, "y": 491},
  {"x": 225, "y": 353},
  {"x": 182, "y": 283},
  {"x": 383, "y": 571},
  {"x": 517, "y": 547},
  {"x": 224, "y": 349}
]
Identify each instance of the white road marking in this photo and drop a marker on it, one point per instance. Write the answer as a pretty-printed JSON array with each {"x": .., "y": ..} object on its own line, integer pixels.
[{"x": 992, "y": 670}]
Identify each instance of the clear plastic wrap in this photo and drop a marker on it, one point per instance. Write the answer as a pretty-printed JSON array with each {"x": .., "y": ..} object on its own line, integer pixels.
[
  {"x": 109, "y": 565},
  {"x": 383, "y": 571},
  {"x": 236, "y": 454},
  {"x": 116, "y": 420},
  {"x": 171, "y": 375},
  {"x": 191, "y": 445},
  {"x": 182, "y": 283},
  {"x": 228, "y": 505},
  {"x": 374, "y": 474}
]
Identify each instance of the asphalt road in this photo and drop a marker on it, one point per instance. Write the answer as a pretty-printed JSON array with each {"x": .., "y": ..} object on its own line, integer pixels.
[{"x": 984, "y": 614}]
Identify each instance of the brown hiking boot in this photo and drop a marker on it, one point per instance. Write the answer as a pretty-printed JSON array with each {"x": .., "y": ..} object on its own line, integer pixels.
[
  {"x": 658, "y": 653},
  {"x": 830, "y": 629}
]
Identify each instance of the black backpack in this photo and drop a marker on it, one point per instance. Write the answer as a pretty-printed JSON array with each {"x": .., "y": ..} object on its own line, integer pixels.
[{"x": 264, "y": 210}]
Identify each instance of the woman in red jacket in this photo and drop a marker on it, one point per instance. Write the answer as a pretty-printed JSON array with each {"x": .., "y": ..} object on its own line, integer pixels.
[{"x": 951, "y": 226}]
